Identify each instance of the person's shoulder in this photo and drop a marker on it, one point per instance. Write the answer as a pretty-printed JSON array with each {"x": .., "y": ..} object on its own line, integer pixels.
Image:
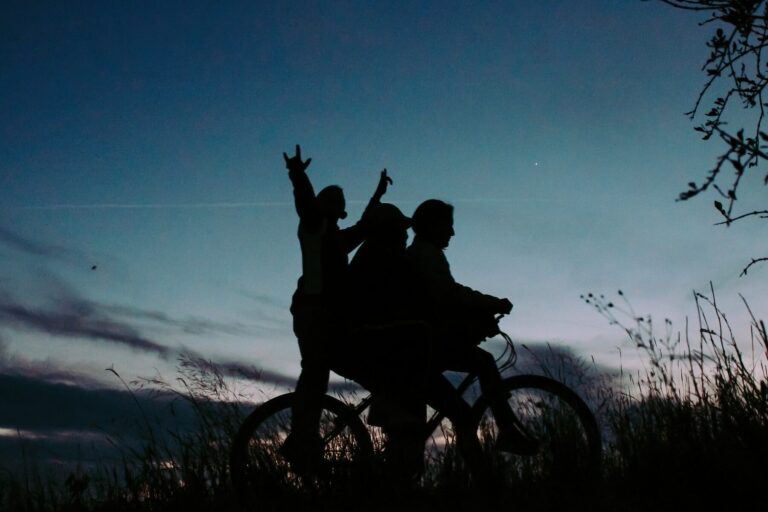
[
  {"x": 414, "y": 251},
  {"x": 423, "y": 256},
  {"x": 417, "y": 246},
  {"x": 424, "y": 249}
]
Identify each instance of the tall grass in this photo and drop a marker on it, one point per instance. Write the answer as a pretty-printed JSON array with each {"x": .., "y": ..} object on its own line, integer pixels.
[
  {"x": 693, "y": 426},
  {"x": 185, "y": 467},
  {"x": 161, "y": 466}
]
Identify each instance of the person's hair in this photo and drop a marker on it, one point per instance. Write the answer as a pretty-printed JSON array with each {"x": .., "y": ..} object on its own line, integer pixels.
[
  {"x": 429, "y": 213},
  {"x": 331, "y": 191},
  {"x": 330, "y": 198}
]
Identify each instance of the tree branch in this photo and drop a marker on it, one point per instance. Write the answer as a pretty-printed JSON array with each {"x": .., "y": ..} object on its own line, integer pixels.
[
  {"x": 734, "y": 68},
  {"x": 763, "y": 215},
  {"x": 754, "y": 260}
]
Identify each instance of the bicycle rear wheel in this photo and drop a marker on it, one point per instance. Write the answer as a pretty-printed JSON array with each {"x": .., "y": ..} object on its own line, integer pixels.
[
  {"x": 570, "y": 444},
  {"x": 260, "y": 474}
]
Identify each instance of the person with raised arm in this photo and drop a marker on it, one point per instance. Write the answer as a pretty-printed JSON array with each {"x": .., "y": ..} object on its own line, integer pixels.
[{"x": 318, "y": 304}]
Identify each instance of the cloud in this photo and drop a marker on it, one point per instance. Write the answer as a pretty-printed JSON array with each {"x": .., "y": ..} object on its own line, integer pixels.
[
  {"x": 67, "y": 424},
  {"x": 71, "y": 424},
  {"x": 69, "y": 315},
  {"x": 27, "y": 246},
  {"x": 38, "y": 405},
  {"x": 75, "y": 318},
  {"x": 82, "y": 320},
  {"x": 234, "y": 369},
  {"x": 265, "y": 300},
  {"x": 60, "y": 452},
  {"x": 48, "y": 370},
  {"x": 70, "y": 320},
  {"x": 189, "y": 325}
]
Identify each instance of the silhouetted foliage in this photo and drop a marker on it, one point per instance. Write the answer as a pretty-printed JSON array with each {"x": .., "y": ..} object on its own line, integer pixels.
[
  {"x": 736, "y": 73},
  {"x": 698, "y": 408}
]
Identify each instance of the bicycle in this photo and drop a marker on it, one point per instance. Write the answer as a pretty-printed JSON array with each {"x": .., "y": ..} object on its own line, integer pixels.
[{"x": 570, "y": 443}]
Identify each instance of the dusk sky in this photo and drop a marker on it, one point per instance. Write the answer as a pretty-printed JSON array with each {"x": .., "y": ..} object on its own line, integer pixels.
[{"x": 145, "y": 208}]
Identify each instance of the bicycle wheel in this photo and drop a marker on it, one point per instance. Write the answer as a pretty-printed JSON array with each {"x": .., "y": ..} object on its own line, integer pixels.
[
  {"x": 261, "y": 475},
  {"x": 570, "y": 445}
]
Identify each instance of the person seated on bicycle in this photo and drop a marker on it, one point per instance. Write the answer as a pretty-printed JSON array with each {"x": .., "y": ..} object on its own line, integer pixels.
[
  {"x": 317, "y": 305},
  {"x": 386, "y": 335},
  {"x": 460, "y": 316},
  {"x": 389, "y": 348}
]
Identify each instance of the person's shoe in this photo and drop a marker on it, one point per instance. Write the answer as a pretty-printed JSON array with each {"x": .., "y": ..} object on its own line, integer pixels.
[{"x": 514, "y": 440}]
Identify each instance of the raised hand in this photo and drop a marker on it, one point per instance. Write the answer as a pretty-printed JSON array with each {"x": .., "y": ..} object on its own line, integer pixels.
[
  {"x": 384, "y": 182},
  {"x": 294, "y": 163}
]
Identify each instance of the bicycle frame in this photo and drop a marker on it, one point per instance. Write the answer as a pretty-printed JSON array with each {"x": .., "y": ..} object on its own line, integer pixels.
[
  {"x": 509, "y": 355},
  {"x": 429, "y": 427}
]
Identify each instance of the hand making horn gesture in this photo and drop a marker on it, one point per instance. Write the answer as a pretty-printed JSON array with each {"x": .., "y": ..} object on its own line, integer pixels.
[{"x": 294, "y": 163}]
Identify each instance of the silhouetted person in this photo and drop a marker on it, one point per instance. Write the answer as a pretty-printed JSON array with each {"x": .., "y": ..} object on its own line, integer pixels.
[
  {"x": 460, "y": 316},
  {"x": 390, "y": 349},
  {"x": 377, "y": 271},
  {"x": 318, "y": 304},
  {"x": 389, "y": 345}
]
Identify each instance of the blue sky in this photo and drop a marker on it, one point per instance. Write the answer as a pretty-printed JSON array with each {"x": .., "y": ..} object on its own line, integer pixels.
[{"x": 145, "y": 138}]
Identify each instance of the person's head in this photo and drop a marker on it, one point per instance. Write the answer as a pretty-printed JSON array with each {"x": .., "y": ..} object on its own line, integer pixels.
[
  {"x": 388, "y": 226},
  {"x": 433, "y": 221},
  {"x": 331, "y": 202}
]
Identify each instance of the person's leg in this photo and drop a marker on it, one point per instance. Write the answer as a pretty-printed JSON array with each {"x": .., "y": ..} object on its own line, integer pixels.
[
  {"x": 475, "y": 360},
  {"x": 302, "y": 446},
  {"x": 442, "y": 396},
  {"x": 404, "y": 455},
  {"x": 405, "y": 433},
  {"x": 310, "y": 389}
]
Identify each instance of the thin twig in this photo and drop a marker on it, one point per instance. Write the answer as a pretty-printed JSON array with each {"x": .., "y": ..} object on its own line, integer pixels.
[
  {"x": 763, "y": 213},
  {"x": 754, "y": 260}
]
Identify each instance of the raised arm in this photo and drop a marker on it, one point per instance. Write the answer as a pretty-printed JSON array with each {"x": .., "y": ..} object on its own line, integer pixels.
[
  {"x": 303, "y": 193},
  {"x": 381, "y": 189},
  {"x": 354, "y": 235}
]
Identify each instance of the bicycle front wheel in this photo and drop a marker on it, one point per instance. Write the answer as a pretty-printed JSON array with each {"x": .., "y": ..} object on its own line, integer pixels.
[
  {"x": 261, "y": 475},
  {"x": 568, "y": 437}
]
